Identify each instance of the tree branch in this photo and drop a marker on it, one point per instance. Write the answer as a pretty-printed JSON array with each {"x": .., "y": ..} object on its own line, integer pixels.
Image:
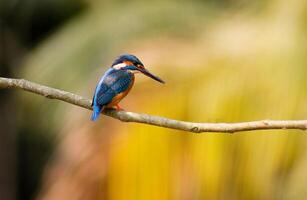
[{"x": 124, "y": 116}]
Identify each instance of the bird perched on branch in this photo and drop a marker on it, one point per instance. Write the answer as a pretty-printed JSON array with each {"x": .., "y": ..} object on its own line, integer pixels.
[{"x": 116, "y": 83}]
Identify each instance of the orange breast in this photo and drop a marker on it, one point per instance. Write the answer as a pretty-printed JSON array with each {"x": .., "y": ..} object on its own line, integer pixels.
[{"x": 121, "y": 95}]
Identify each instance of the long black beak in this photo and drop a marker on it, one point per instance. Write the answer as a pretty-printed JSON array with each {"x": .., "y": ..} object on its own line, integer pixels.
[{"x": 147, "y": 73}]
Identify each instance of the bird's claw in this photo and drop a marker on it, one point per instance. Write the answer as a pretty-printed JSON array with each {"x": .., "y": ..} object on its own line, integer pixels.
[{"x": 118, "y": 108}]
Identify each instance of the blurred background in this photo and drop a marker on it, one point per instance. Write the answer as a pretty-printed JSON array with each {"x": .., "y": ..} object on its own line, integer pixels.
[{"x": 222, "y": 60}]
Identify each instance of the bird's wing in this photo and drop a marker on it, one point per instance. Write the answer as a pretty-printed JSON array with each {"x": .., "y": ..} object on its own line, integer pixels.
[
  {"x": 94, "y": 96},
  {"x": 111, "y": 85}
]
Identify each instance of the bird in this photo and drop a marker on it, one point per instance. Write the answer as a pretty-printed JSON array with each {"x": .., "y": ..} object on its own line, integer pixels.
[{"x": 117, "y": 82}]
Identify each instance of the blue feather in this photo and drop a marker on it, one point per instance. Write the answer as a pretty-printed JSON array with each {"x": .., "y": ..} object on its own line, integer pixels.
[
  {"x": 129, "y": 57},
  {"x": 96, "y": 112},
  {"x": 112, "y": 83}
]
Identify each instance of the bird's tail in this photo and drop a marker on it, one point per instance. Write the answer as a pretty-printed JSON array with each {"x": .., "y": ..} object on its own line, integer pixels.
[{"x": 96, "y": 112}]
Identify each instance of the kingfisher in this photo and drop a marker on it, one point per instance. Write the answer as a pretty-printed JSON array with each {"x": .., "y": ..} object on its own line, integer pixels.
[{"x": 116, "y": 83}]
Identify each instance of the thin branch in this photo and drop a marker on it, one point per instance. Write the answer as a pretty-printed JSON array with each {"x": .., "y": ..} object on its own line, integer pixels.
[{"x": 124, "y": 116}]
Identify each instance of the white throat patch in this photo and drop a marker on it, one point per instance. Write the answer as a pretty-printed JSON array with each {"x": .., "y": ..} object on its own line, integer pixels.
[{"x": 119, "y": 66}]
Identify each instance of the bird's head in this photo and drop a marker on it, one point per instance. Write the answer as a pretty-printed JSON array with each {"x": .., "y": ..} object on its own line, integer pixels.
[{"x": 133, "y": 64}]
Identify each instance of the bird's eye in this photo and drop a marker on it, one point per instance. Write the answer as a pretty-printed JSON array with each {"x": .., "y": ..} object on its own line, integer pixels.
[{"x": 139, "y": 66}]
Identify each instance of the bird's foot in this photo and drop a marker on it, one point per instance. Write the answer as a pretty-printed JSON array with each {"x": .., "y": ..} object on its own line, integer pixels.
[{"x": 118, "y": 108}]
